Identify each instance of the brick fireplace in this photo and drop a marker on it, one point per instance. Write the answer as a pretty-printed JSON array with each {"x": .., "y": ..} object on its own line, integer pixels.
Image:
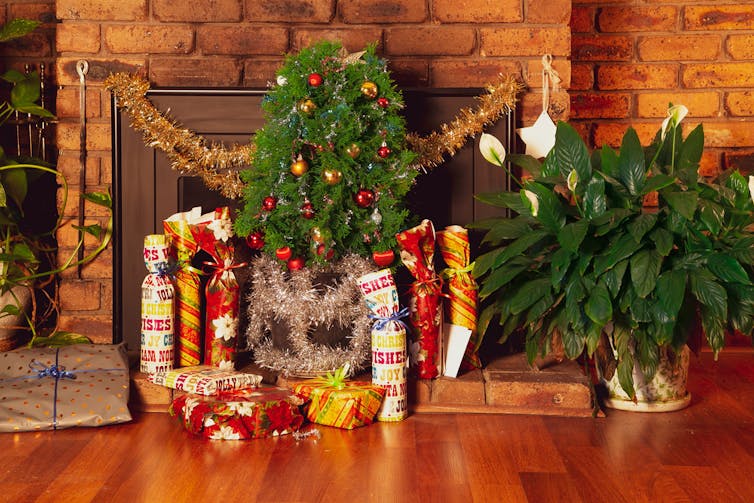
[
  {"x": 240, "y": 43},
  {"x": 621, "y": 61}
]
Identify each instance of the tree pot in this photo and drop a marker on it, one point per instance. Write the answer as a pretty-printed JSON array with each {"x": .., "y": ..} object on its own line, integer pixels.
[{"x": 665, "y": 392}]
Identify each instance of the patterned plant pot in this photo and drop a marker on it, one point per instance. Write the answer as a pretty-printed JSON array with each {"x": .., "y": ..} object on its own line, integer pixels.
[{"x": 665, "y": 392}]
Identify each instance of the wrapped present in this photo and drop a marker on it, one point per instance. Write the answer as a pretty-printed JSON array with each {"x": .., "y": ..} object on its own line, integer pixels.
[
  {"x": 425, "y": 313},
  {"x": 240, "y": 414},
  {"x": 222, "y": 293},
  {"x": 205, "y": 379},
  {"x": 333, "y": 401},
  {"x": 188, "y": 324},
  {"x": 157, "y": 307},
  {"x": 55, "y": 388},
  {"x": 388, "y": 342},
  {"x": 461, "y": 306}
]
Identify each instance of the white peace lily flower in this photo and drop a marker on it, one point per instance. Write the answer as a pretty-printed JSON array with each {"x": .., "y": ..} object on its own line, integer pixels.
[
  {"x": 222, "y": 229},
  {"x": 572, "y": 180},
  {"x": 225, "y": 327},
  {"x": 492, "y": 149},
  {"x": 533, "y": 201},
  {"x": 676, "y": 114},
  {"x": 751, "y": 187},
  {"x": 225, "y": 433}
]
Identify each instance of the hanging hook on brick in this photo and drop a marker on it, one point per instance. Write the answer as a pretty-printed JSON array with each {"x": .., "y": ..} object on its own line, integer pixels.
[{"x": 82, "y": 68}]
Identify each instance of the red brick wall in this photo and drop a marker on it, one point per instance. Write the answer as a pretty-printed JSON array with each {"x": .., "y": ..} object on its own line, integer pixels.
[
  {"x": 631, "y": 57},
  {"x": 225, "y": 43}
]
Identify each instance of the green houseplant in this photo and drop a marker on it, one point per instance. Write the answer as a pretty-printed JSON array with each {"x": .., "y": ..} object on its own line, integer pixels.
[
  {"x": 29, "y": 263},
  {"x": 588, "y": 266}
]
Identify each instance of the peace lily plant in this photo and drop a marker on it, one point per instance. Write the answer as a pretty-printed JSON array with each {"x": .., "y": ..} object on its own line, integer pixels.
[{"x": 586, "y": 265}]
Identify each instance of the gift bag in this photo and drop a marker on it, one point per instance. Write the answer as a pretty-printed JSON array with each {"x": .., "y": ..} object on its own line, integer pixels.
[
  {"x": 213, "y": 235},
  {"x": 425, "y": 313}
]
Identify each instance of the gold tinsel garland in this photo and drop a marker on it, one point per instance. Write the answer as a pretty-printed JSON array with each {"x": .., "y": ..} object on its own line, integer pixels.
[{"x": 218, "y": 166}]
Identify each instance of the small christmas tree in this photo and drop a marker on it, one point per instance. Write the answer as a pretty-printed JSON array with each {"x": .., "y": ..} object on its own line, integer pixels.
[{"x": 331, "y": 167}]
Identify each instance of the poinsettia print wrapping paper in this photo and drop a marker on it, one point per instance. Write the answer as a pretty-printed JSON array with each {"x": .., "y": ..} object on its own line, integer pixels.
[
  {"x": 222, "y": 293},
  {"x": 55, "y": 388},
  {"x": 240, "y": 414},
  {"x": 425, "y": 310}
]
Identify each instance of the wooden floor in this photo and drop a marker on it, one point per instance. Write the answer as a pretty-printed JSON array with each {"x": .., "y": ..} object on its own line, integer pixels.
[{"x": 702, "y": 454}]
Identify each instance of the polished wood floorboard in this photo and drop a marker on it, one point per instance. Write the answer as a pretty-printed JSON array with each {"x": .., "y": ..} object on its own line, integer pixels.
[{"x": 702, "y": 454}]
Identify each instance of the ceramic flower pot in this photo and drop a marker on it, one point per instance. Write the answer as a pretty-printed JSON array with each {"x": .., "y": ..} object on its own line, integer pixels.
[{"x": 665, "y": 392}]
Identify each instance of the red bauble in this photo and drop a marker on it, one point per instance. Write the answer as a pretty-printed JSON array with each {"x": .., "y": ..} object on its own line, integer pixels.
[
  {"x": 269, "y": 203},
  {"x": 364, "y": 198},
  {"x": 295, "y": 264},
  {"x": 307, "y": 210},
  {"x": 383, "y": 258},
  {"x": 283, "y": 253},
  {"x": 315, "y": 79},
  {"x": 383, "y": 102},
  {"x": 255, "y": 240},
  {"x": 321, "y": 249},
  {"x": 383, "y": 151}
]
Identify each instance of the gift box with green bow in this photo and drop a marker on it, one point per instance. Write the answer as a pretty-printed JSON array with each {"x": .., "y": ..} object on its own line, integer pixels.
[{"x": 333, "y": 401}]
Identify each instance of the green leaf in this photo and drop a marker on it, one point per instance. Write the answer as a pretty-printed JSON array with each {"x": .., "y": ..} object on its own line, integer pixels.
[
  {"x": 572, "y": 234},
  {"x": 727, "y": 268},
  {"x": 34, "y": 109},
  {"x": 573, "y": 343},
  {"x": 16, "y": 28},
  {"x": 551, "y": 213},
  {"x": 613, "y": 278},
  {"x": 622, "y": 248},
  {"x": 625, "y": 371},
  {"x": 669, "y": 294},
  {"x": 663, "y": 240},
  {"x": 609, "y": 220},
  {"x": 93, "y": 229},
  {"x": 506, "y": 229},
  {"x": 642, "y": 224},
  {"x": 539, "y": 308},
  {"x": 631, "y": 170},
  {"x": 15, "y": 183},
  {"x": 657, "y": 182},
  {"x": 25, "y": 92},
  {"x": 561, "y": 261},
  {"x": 709, "y": 293},
  {"x": 3, "y": 197},
  {"x": 22, "y": 252},
  {"x": 10, "y": 309},
  {"x": 570, "y": 152},
  {"x": 519, "y": 246},
  {"x": 483, "y": 262},
  {"x": 599, "y": 307},
  {"x": 528, "y": 294},
  {"x": 609, "y": 161},
  {"x": 501, "y": 277},
  {"x": 595, "y": 202},
  {"x": 711, "y": 214},
  {"x": 645, "y": 267},
  {"x": 691, "y": 150},
  {"x": 682, "y": 202},
  {"x": 527, "y": 163},
  {"x": 713, "y": 330},
  {"x": 100, "y": 198},
  {"x": 501, "y": 200}
]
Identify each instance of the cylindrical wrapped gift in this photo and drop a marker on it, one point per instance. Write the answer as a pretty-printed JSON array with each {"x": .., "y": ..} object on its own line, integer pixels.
[
  {"x": 188, "y": 325},
  {"x": 157, "y": 309},
  {"x": 222, "y": 291},
  {"x": 425, "y": 315},
  {"x": 388, "y": 343},
  {"x": 461, "y": 306}
]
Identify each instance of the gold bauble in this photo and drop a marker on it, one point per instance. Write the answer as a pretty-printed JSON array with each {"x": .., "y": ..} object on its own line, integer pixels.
[
  {"x": 317, "y": 236},
  {"x": 307, "y": 106},
  {"x": 354, "y": 151},
  {"x": 369, "y": 89},
  {"x": 299, "y": 167},
  {"x": 331, "y": 176}
]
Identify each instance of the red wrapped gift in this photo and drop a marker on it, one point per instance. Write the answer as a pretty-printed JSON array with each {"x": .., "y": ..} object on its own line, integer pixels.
[
  {"x": 336, "y": 402},
  {"x": 240, "y": 414},
  {"x": 425, "y": 313},
  {"x": 222, "y": 291}
]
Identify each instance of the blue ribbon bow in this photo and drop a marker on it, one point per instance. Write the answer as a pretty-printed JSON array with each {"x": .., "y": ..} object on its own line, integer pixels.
[
  {"x": 397, "y": 317},
  {"x": 56, "y": 371}
]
